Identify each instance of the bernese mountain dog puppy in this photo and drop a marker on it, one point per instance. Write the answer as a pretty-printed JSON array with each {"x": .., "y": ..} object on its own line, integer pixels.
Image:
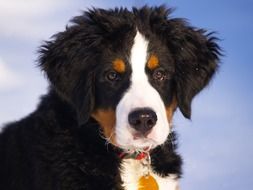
[{"x": 116, "y": 77}]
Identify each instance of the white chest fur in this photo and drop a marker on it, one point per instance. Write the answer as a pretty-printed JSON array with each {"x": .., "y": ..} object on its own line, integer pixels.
[{"x": 132, "y": 170}]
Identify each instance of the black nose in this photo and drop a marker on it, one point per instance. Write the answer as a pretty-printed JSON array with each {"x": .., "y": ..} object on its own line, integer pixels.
[{"x": 142, "y": 120}]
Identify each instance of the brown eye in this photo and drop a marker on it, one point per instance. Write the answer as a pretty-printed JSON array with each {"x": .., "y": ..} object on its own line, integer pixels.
[
  {"x": 112, "y": 76},
  {"x": 159, "y": 75}
]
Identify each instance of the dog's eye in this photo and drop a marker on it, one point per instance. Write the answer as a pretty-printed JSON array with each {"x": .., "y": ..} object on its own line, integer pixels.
[
  {"x": 112, "y": 76},
  {"x": 159, "y": 75}
]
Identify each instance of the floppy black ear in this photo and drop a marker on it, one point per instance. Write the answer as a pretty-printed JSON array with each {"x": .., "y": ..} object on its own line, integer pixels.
[
  {"x": 196, "y": 56},
  {"x": 70, "y": 70}
]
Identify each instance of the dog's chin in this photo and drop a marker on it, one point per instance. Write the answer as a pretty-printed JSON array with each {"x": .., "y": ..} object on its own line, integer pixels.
[{"x": 138, "y": 144}]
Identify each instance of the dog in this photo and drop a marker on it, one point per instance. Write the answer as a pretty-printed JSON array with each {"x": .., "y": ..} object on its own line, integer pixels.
[{"x": 115, "y": 79}]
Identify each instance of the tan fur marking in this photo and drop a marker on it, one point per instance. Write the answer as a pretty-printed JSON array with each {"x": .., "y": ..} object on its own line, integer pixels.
[
  {"x": 106, "y": 119},
  {"x": 153, "y": 62},
  {"x": 171, "y": 109},
  {"x": 119, "y": 65}
]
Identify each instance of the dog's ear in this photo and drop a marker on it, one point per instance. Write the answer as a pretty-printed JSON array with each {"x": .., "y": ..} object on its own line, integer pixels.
[
  {"x": 70, "y": 70},
  {"x": 196, "y": 56}
]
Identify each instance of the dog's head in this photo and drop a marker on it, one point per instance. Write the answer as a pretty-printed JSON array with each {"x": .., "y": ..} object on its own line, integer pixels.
[{"x": 130, "y": 70}]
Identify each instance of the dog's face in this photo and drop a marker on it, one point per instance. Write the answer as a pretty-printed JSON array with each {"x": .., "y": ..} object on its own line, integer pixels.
[
  {"x": 135, "y": 104},
  {"x": 130, "y": 71}
]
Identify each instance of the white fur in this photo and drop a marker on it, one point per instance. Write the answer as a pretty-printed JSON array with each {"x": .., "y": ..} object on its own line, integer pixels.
[
  {"x": 132, "y": 171},
  {"x": 140, "y": 94}
]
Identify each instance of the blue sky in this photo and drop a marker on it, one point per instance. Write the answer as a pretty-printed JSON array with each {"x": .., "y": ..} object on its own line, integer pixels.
[{"x": 216, "y": 145}]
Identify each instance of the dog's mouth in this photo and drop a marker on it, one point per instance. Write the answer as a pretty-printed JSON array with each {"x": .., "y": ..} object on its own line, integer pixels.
[
  {"x": 133, "y": 140},
  {"x": 138, "y": 144}
]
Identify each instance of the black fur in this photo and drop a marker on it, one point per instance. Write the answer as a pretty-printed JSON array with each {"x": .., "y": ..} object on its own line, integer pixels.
[{"x": 59, "y": 146}]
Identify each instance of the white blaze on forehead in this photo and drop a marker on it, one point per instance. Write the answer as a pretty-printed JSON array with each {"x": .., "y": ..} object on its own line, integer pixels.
[
  {"x": 140, "y": 94},
  {"x": 139, "y": 57}
]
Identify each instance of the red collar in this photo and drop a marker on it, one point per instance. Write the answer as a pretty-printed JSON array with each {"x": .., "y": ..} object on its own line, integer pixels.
[{"x": 134, "y": 155}]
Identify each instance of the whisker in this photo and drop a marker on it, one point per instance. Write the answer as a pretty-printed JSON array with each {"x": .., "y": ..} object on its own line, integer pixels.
[{"x": 107, "y": 139}]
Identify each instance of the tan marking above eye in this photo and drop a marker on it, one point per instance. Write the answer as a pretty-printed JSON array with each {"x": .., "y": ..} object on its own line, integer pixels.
[
  {"x": 107, "y": 119},
  {"x": 119, "y": 65},
  {"x": 153, "y": 62}
]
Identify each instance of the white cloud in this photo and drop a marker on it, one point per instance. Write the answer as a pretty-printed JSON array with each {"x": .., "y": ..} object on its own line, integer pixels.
[
  {"x": 27, "y": 8},
  {"x": 8, "y": 78},
  {"x": 31, "y": 19}
]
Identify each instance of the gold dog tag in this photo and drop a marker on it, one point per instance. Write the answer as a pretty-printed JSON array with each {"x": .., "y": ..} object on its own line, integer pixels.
[{"x": 148, "y": 183}]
